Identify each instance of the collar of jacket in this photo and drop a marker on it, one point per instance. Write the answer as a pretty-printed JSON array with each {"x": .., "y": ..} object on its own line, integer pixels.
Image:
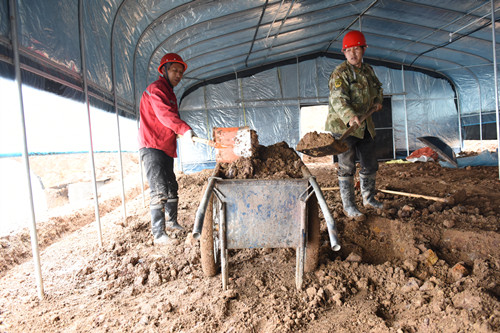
[
  {"x": 355, "y": 69},
  {"x": 168, "y": 81}
]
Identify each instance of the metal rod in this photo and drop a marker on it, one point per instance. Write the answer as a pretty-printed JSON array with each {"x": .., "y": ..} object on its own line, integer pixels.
[
  {"x": 493, "y": 41},
  {"x": 330, "y": 222},
  {"x": 406, "y": 111},
  {"x": 469, "y": 24},
  {"x": 299, "y": 268},
  {"x": 64, "y": 82},
  {"x": 270, "y": 47},
  {"x": 141, "y": 170},
  {"x": 223, "y": 246},
  {"x": 122, "y": 181},
  {"x": 264, "y": 7},
  {"x": 17, "y": 68},
  {"x": 200, "y": 213},
  {"x": 91, "y": 146},
  {"x": 113, "y": 76}
]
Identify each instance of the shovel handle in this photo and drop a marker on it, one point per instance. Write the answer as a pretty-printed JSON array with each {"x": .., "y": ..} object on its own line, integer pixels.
[
  {"x": 205, "y": 141},
  {"x": 355, "y": 126}
]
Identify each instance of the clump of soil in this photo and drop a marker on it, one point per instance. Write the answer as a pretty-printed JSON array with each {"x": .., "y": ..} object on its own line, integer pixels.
[
  {"x": 320, "y": 144},
  {"x": 277, "y": 161},
  {"x": 315, "y": 139}
]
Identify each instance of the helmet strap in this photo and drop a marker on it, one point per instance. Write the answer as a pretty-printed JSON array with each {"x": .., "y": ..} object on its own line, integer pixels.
[{"x": 166, "y": 67}]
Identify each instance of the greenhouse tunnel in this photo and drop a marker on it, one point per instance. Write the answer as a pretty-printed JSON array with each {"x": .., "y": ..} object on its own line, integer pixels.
[
  {"x": 257, "y": 63},
  {"x": 261, "y": 63}
]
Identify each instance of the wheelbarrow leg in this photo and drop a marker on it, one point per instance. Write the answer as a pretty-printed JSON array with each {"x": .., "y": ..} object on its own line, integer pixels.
[
  {"x": 223, "y": 245},
  {"x": 299, "y": 271}
]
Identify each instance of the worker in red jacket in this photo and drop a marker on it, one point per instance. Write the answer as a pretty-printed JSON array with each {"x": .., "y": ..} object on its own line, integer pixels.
[{"x": 159, "y": 126}]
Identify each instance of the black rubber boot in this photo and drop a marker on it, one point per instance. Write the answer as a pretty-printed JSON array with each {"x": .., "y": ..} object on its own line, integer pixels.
[
  {"x": 158, "y": 226},
  {"x": 346, "y": 185},
  {"x": 368, "y": 191},
  {"x": 171, "y": 214}
]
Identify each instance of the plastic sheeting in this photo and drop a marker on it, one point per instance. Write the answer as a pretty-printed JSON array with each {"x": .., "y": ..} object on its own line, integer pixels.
[
  {"x": 224, "y": 40},
  {"x": 270, "y": 102}
]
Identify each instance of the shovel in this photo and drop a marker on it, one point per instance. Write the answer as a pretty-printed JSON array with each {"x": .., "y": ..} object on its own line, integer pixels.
[
  {"x": 335, "y": 147},
  {"x": 235, "y": 142},
  {"x": 231, "y": 143}
]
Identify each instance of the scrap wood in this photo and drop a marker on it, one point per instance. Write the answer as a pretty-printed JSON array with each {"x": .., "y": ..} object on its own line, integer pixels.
[{"x": 445, "y": 200}]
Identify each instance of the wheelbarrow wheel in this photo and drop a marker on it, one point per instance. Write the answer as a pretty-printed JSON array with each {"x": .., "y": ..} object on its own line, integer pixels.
[
  {"x": 208, "y": 243},
  {"x": 313, "y": 236}
]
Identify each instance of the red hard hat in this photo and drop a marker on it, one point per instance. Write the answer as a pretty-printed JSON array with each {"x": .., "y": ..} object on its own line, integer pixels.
[
  {"x": 171, "y": 57},
  {"x": 353, "y": 38}
]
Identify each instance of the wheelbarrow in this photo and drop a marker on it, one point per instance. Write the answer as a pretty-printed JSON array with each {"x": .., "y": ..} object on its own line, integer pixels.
[{"x": 258, "y": 213}]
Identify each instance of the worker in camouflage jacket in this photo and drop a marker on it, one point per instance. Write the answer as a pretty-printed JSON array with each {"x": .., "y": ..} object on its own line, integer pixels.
[{"x": 354, "y": 90}]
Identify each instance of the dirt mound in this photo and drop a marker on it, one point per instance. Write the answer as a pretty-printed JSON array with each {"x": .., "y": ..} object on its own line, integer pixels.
[{"x": 277, "y": 161}]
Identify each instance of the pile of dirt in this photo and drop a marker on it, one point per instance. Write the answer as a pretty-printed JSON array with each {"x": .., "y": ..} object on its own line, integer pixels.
[
  {"x": 277, "y": 161},
  {"x": 417, "y": 266},
  {"x": 320, "y": 144}
]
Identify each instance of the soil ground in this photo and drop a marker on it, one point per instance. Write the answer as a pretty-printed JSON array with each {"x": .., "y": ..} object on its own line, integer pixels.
[{"x": 419, "y": 265}]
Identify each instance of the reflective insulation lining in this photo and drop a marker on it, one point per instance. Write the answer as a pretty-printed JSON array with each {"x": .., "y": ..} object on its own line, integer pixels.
[{"x": 270, "y": 101}]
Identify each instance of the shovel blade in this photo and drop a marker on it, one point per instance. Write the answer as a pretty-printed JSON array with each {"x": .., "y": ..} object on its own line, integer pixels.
[
  {"x": 232, "y": 143},
  {"x": 333, "y": 149},
  {"x": 320, "y": 144}
]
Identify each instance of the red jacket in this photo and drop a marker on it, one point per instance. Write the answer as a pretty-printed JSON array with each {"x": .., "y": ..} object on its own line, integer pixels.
[{"x": 160, "y": 122}]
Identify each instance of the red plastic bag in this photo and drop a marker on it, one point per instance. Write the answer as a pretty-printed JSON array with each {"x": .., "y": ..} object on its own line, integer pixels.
[{"x": 425, "y": 154}]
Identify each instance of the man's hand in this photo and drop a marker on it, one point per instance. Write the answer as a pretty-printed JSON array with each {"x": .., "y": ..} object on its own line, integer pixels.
[
  {"x": 377, "y": 107},
  {"x": 354, "y": 121},
  {"x": 188, "y": 136}
]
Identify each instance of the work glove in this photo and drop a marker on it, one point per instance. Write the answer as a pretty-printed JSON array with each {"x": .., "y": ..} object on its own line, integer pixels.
[{"x": 188, "y": 136}]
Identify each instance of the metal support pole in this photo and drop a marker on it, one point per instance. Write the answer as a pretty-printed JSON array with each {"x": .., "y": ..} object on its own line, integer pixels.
[
  {"x": 223, "y": 245},
  {"x": 494, "y": 44},
  {"x": 301, "y": 248},
  {"x": 406, "y": 112},
  {"x": 91, "y": 146},
  {"x": 124, "y": 207},
  {"x": 141, "y": 171},
  {"x": 115, "y": 97},
  {"x": 17, "y": 67},
  {"x": 459, "y": 114}
]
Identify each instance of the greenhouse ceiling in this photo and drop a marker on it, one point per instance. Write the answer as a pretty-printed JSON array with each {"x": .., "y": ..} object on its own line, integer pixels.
[{"x": 123, "y": 41}]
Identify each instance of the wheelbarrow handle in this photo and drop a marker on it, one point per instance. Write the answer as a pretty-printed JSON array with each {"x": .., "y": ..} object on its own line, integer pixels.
[
  {"x": 355, "y": 126},
  {"x": 200, "y": 213},
  {"x": 330, "y": 222}
]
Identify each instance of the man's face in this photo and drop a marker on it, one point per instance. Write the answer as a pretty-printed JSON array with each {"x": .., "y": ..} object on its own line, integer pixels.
[
  {"x": 354, "y": 55},
  {"x": 174, "y": 73}
]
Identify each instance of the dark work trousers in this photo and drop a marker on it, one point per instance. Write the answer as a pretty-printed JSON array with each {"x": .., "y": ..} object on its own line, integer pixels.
[
  {"x": 161, "y": 177},
  {"x": 364, "y": 150}
]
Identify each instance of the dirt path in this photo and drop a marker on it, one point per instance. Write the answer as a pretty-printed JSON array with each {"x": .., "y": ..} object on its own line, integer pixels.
[{"x": 417, "y": 266}]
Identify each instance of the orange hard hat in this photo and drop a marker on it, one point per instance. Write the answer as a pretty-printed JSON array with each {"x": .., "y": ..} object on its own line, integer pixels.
[
  {"x": 353, "y": 38},
  {"x": 171, "y": 57}
]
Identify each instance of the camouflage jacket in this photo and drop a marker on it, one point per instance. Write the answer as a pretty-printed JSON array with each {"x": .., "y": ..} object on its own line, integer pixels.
[{"x": 353, "y": 91}]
